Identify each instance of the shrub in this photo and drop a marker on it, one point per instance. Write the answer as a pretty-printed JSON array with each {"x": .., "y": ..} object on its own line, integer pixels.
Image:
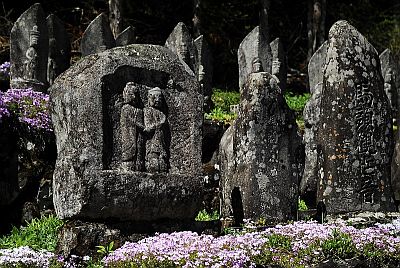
[
  {"x": 38, "y": 234},
  {"x": 205, "y": 216}
]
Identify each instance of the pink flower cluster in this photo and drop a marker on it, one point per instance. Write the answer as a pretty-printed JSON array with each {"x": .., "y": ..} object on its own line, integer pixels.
[{"x": 305, "y": 246}]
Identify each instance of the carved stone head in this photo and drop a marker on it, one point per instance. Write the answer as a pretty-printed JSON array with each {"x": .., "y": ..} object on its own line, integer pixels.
[
  {"x": 155, "y": 98},
  {"x": 130, "y": 93}
]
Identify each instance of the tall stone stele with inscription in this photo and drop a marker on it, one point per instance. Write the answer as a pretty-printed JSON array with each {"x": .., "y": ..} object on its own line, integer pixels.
[
  {"x": 128, "y": 128},
  {"x": 354, "y": 138},
  {"x": 259, "y": 155},
  {"x": 29, "y": 50}
]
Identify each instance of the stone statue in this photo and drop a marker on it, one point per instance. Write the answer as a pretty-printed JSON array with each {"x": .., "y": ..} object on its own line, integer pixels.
[
  {"x": 32, "y": 58},
  {"x": 132, "y": 130},
  {"x": 156, "y": 125},
  {"x": 257, "y": 67},
  {"x": 51, "y": 62}
]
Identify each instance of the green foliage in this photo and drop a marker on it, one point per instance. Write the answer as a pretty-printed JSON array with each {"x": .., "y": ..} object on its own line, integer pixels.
[
  {"x": 296, "y": 102},
  {"x": 205, "y": 216},
  {"x": 302, "y": 205},
  {"x": 224, "y": 99},
  {"x": 222, "y": 102},
  {"x": 105, "y": 250},
  {"x": 38, "y": 234},
  {"x": 340, "y": 245},
  {"x": 218, "y": 114}
]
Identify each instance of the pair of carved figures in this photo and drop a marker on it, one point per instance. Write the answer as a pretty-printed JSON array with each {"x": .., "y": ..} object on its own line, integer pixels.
[{"x": 143, "y": 131}]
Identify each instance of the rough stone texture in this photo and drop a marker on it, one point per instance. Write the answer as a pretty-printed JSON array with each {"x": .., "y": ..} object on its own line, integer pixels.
[
  {"x": 311, "y": 115},
  {"x": 181, "y": 43},
  {"x": 204, "y": 70},
  {"x": 29, "y": 50},
  {"x": 279, "y": 62},
  {"x": 316, "y": 65},
  {"x": 97, "y": 36},
  {"x": 354, "y": 139},
  {"x": 127, "y": 37},
  {"x": 259, "y": 168},
  {"x": 82, "y": 238},
  {"x": 391, "y": 76},
  {"x": 90, "y": 180},
  {"x": 254, "y": 46},
  {"x": 59, "y": 48}
]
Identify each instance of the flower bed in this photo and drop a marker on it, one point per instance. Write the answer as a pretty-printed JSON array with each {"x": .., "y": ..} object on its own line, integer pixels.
[{"x": 300, "y": 244}]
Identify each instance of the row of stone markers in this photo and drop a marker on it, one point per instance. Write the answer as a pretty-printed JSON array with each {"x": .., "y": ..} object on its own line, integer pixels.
[{"x": 40, "y": 49}]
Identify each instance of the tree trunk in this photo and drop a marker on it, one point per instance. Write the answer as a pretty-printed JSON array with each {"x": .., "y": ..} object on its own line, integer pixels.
[
  {"x": 315, "y": 25},
  {"x": 264, "y": 30},
  {"x": 116, "y": 18}
]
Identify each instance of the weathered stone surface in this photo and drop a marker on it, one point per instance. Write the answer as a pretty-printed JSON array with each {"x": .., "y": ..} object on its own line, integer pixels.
[
  {"x": 311, "y": 115},
  {"x": 97, "y": 36},
  {"x": 395, "y": 169},
  {"x": 91, "y": 179},
  {"x": 82, "y": 238},
  {"x": 316, "y": 65},
  {"x": 127, "y": 37},
  {"x": 254, "y": 46},
  {"x": 181, "y": 43},
  {"x": 59, "y": 48},
  {"x": 354, "y": 139},
  {"x": 279, "y": 62},
  {"x": 204, "y": 70},
  {"x": 391, "y": 76},
  {"x": 29, "y": 50},
  {"x": 259, "y": 168}
]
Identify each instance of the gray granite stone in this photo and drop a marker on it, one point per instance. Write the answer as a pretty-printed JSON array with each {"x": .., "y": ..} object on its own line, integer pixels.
[
  {"x": 29, "y": 50},
  {"x": 279, "y": 62},
  {"x": 205, "y": 70},
  {"x": 391, "y": 76},
  {"x": 128, "y": 137},
  {"x": 259, "y": 156},
  {"x": 181, "y": 43},
  {"x": 254, "y": 46},
  {"x": 59, "y": 48},
  {"x": 127, "y": 37},
  {"x": 316, "y": 65},
  {"x": 97, "y": 36},
  {"x": 354, "y": 139}
]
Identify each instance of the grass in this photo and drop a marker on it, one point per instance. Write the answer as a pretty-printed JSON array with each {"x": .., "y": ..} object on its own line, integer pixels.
[
  {"x": 38, "y": 234},
  {"x": 205, "y": 216}
]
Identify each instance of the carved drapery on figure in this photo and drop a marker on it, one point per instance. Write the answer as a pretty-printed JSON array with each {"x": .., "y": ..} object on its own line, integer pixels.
[
  {"x": 32, "y": 58},
  {"x": 132, "y": 130},
  {"x": 155, "y": 122}
]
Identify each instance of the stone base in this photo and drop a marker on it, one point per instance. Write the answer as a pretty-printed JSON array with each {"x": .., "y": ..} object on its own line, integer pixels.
[{"x": 118, "y": 196}]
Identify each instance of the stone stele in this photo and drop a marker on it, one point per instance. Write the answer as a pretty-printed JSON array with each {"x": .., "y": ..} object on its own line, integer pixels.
[
  {"x": 181, "y": 43},
  {"x": 97, "y": 36},
  {"x": 259, "y": 156},
  {"x": 29, "y": 50},
  {"x": 354, "y": 139},
  {"x": 128, "y": 128},
  {"x": 254, "y": 46}
]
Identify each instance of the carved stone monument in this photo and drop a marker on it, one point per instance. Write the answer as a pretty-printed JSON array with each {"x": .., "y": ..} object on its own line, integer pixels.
[
  {"x": 29, "y": 50},
  {"x": 128, "y": 138},
  {"x": 126, "y": 37},
  {"x": 97, "y": 36},
  {"x": 254, "y": 45},
  {"x": 205, "y": 70},
  {"x": 258, "y": 154},
  {"x": 391, "y": 76},
  {"x": 316, "y": 65},
  {"x": 354, "y": 139},
  {"x": 279, "y": 62},
  {"x": 59, "y": 48},
  {"x": 181, "y": 43}
]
